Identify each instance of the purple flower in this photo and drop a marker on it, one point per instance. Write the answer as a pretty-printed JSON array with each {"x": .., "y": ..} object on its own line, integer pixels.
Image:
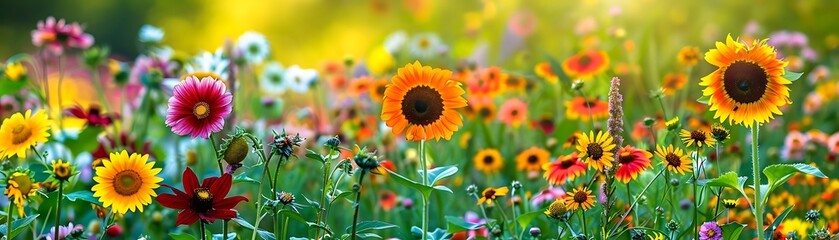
[
  {"x": 710, "y": 231},
  {"x": 63, "y": 231}
]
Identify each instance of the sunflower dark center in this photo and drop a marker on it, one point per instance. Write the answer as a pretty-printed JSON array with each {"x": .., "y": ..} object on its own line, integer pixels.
[
  {"x": 422, "y": 105},
  {"x": 580, "y": 197},
  {"x": 584, "y": 60},
  {"x": 626, "y": 157},
  {"x": 202, "y": 200},
  {"x": 127, "y": 182},
  {"x": 673, "y": 160},
  {"x": 485, "y": 112},
  {"x": 595, "y": 151},
  {"x": 488, "y": 160},
  {"x": 489, "y": 193},
  {"x": 589, "y": 104},
  {"x": 491, "y": 75},
  {"x": 565, "y": 164},
  {"x": 532, "y": 159},
  {"x": 745, "y": 82},
  {"x": 21, "y": 133},
  {"x": 698, "y": 135}
]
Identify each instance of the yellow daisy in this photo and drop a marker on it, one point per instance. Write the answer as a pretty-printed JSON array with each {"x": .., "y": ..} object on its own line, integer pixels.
[
  {"x": 126, "y": 182},
  {"x": 488, "y": 160},
  {"x": 674, "y": 158},
  {"x": 21, "y": 132},
  {"x": 596, "y": 150},
  {"x": 578, "y": 198},
  {"x": 697, "y": 137},
  {"x": 19, "y": 187}
]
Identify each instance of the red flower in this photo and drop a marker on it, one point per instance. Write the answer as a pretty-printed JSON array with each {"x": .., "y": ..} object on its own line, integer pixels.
[
  {"x": 207, "y": 201},
  {"x": 93, "y": 115},
  {"x": 632, "y": 161}
]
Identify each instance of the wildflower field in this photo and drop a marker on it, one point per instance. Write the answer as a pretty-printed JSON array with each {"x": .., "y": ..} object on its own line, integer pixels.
[{"x": 419, "y": 119}]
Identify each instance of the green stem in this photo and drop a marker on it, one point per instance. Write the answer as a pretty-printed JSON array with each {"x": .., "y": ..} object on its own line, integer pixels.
[
  {"x": 9, "y": 221},
  {"x": 515, "y": 215},
  {"x": 590, "y": 115},
  {"x": 570, "y": 229},
  {"x": 635, "y": 202},
  {"x": 357, "y": 206},
  {"x": 756, "y": 172},
  {"x": 425, "y": 208},
  {"x": 719, "y": 172},
  {"x": 326, "y": 167},
  {"x": 224, "y": 231},
  {"x": 285, "y": 226},
  {"x": 203, "y": 234},
  {"x": 58, "y": 208},
  {"x": 259, "y": 200},
  {"x": 585, "y": 227},
  {"x": 663, "y": 111},
  {"x": 98, "y": 84},
  {"x": 695, "y": 200},
  {"x": 274, "y": 193},
  {"x": 215, "y": 154}
]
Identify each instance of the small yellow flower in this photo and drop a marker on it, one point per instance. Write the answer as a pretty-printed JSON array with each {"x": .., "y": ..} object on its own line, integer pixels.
[
  {"x": 556, "y": 209},
  {"x": 19, "y": 187},
  {"x": 580, "y": 198},
  {"x": 62, "y": 170},
  {"x": 15, "y": 71},
  {"x": 729, "y": 203},
  {"x": 490, "y": 194}
]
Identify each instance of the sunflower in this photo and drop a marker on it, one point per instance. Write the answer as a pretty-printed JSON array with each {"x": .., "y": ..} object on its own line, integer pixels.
[
  {"x": 688, "y": 56},
  {"x": 631, "y": 162},
  {"x": 672, "y": 82},
  {"x": 488, "y": 160},
  {"x": 489, "y": 194},
  {"x": 377, "y": 90},
  {"x": 19, "y": 187},
  {"x": 674, "y": 158},
  {"x": 696, "y": 137},
  {"x": 482, "y": 108},
  {"x": 513, "y": 112},
  {"x": 580, "y": 108},
  {"x": 423, "y": 100},
  {"x": 729, "y": 203},
  {"x": 544, "y": 71},
  {"x": 126, "y": 182},
  {"x": 596, "y": 149},
  {"x": 21, "y": 132},
  {"x": 586, "y": 64},
  {"x": 749, "y": 86},
  {"x": 565, "y": 167},
  {"x": 532, "y": 159},
  {"x": 579, "y": 197}
]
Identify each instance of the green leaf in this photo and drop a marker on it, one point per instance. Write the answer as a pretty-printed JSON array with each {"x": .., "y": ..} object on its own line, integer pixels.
[
  {"x": 86, "y": 196},
  {"x": 370, "y": 226},
  {"x": 85, "y": 141},
  {"x": 343, "y": 195},
  {"x": 729, "y": 180},
  {"x": 425, "y": 190},
  {"x": 311, "y": 154},
  {"x": 293, "y": 215},
  {"x": 792, "y": 76},
  {"x": 525, "y": 219},
  {"x": 704, "y": 99},
  {"x": 244, "y": 179},
  {"x": 262, "y": 233},
  {"x": 242, "y": 222},
  {"x": 20, "y": 225},
  {"x": 732, "y": 230},
  {"x": 456, "y": 224},
  {"x": 443, "y": 188},
  {"x": 439, "y": 173},
  {"x": 771, "y": 229},
  {"x": 8, "y": 87},
  {"x": 265, "y": 235},
  {"x": 182, "y": 236},
  {"x": 778, "y": 174}
]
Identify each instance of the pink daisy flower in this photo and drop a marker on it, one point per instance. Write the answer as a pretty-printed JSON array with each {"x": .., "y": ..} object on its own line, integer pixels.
[
  {"x": 198, "y": 107},
  {"x": 56, "y": 35}
]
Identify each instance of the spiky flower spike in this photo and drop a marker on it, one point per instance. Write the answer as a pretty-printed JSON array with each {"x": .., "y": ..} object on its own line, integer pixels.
[{"x": 615, "y": 126}]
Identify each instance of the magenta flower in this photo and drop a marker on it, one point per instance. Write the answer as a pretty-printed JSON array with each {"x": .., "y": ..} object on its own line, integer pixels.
[
  {"x": 198, "y": 107},
  {"x": 55, "y": 35},
  {"x": 710, "y": 231}
]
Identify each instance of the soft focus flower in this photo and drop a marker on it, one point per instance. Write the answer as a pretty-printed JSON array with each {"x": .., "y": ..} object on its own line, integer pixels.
[
  {"x": 673, "y": 82},
  {"x": 93, "y": 115},
  {"x": 395, "y": 42},
  {"x": 207, "y": 201},
  {"x": 689, "y": 56},
  {"x": 254, "y": 47},
  {"x": 564, "y": 167},
  {"x": 271, "y": 80},
  {"x": 63, "y": 231},
  {"x": 513, "y": 112},
  {"x": 209, "y": 64},
  {"x": 586, "y": 64},
  {"x": 544, "y": 71},
  {"x": 546, "y": 195},
  {"x": 794, "y": 146},
  {"x": 126, "y": 182},
  {"x": 580, "y": 108},
  {"x": 298, "y": 79},
  {"x": 198, "y": 107},
  {"x": 19, "y": 187},
  {"x": 490, "y": 194},
  {"x": 15, "y": 71},
  {"x": 21, "y": 132},
  {"x": 488, "y": 160},
  {"x": 151, "y": 34},
  {"x": 426, "y": 45},
  {"x": 380, "y": 61},
  {"x": 56, "y": 35}
]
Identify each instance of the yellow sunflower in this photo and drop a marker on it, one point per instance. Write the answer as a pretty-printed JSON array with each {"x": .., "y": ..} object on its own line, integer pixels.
[
  {"x": 674, "y": 158},
  {"x": 423, "y": 100},
  {"x": 748, "y": 87},
  {"x": 126, "y": 182},
  {"x": 697, "y": 137},
  {"x": 579, "y": 197},
  {"x": 532, "y": 159},
  {"x": 21, "y": 132},
  {"x": 19, "y": 187},
  {"x": 488, "y": 160},
  {"x": 596, "y": 149}
]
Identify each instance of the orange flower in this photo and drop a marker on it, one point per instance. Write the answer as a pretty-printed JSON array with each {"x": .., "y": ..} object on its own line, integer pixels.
[
  {"x": 673, "y": 82},
  {"x": 631, "y": 162},
  {"x": 579, "y": 108},
  {"x": 544, "y": 71},
  {"x": 387, "y": 200},
  {"x": 586, "y": 64},
  {"x": 377, "y": 90},
  {"x": 488, "y": 83},
  {"x": 565, "y": 167},
  {"x": 513, "y": 112}
]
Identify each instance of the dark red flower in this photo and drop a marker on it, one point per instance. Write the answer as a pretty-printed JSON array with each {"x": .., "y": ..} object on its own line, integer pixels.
[
  {"x": 207, "y": 201},
  {"x": 93, "y": 115},
  {"x": 109, "y": 144}
]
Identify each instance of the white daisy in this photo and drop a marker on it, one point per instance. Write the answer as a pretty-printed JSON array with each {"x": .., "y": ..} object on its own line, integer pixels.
[
  {"x": 396, "y": 41},
  {"x": 426, "y": 45},
  {"x": 271, "y": 79},
  {"x": 208, "y": 62},
  {"x": 254, "y": 47},
  {"x": 150, "y": 34},
  {"x": 298, "y": 79}
]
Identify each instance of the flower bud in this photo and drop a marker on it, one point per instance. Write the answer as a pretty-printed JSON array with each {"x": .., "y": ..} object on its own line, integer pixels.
[
  {"x": 535, "y": 232},
  {"x": 237, "y": 150}
]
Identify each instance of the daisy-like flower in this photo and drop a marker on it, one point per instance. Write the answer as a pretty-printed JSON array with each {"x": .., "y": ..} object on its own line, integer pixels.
[
  {"x": 546, "y": 195},
  {"x": 586, "y": 64},
  {"x": 673, "y": 82},
  {"x": 516, "y": 84},
  {"x": 729, "y": 203},
  {"x": 579, "y": 198},
  {"x": 488, "y": 83},
  {"x": 126, "y": 182},
  {"x": 426, "y": 45},
  {"x": 490, "y": 194},
  {"x": 377, "y": 90},
  {"x": 423, "y": 101},
  {"x": 56, "y": 35},
  {"x": 395, "y": 41},
  {"x": 271, "y": 80},
  {"x": 150, "y": 34},
  {"x": 298, "y": 79},
  {"x": 532, "y": 159},
  {"x": 580, "y": 108},
  {"x": 688, "y": 56},
  {"x": 361, "y": 85},
  {"x": 15, "y": 71},
  {"x": 19, "y": 187},
  {"x": 710, "y": 231},
  {"x": 697, "y": 137},
  {"x": 674, "y": 158},
  {"x": 198, "y": 107},
  {"x": 631, "y": 162},
  {"x": 93, "y": 115},
  {"x": 254, "y": 47},
  {"x": 206, "y": 64},
  {"x": 207, "y": 201},
  {"x": 488, "y": 160},
  {"x": 482, "y": 108},
  {"x": 596, "y": 149},
  {"x": 556, "y": 209},
  {"x": 748, "y": 87},
  {"x": 794, "y": 146},
  {"x": 565, "y": 167},
  {"x": 21, "y": 132},
  {"x": 544, "y": 71},
  {"x": 513, "y": 112}
]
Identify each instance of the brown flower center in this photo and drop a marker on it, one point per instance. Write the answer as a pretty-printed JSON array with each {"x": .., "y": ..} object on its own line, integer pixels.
[
  {"x": 422, "y": 105},
  {"x": 626, "y": 157},
  {"x": 488, "y": 160},
  {"x": 595, "y": 151},
  {"x": 489, "y": 193},
  {"x": 673, "y": 160},
  {"x": 485, "y": 112},
  {"x": 745, "y": 82},
  {"x": 567, "y": 163},
  {"x": 201, "y": 110},
  {"x": 127, "y": 182},
  {"x": 698, "y": 136},
  {"x": 532, "y": 159},
  {"x": 580, "y": 197},
  {"x": 21, "y": 133},
  {"x": 202, "y": 200},
  {"x": 584, "y": 60}
]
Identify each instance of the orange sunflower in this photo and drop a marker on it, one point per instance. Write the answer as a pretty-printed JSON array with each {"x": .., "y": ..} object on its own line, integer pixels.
[
  {"x": 361, "y": 85},
  {"x": 579, "y": 197},
  {"x": 565, "y": 167},
  {"x": 579, "y": 108},
  {"x": 631, "y": 162},
  {"x": 689, "y": 56},
  {"x": 749, "y": 85},
  {"x": 596, "y": 149},
  {"x": 586, "y": 64},
  {"x": 377, "y": 90},
  {"x": 482, "y": 108},
  {"x": 544, "y": 71},
  {"x": 532, "y": 159},
  {"x": 515, "y": 84},
  {"x": 673, "y": 82},
  {"x": 423, "y": 101},
  {"x": 488, "y": 160}
]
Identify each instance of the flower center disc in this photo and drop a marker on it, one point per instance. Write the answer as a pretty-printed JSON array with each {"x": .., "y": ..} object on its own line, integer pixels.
[
  {"x": 580, "y": 197},
  {"x": 673, "y": 160},
  {"x": 422, "y": 105},
  {"x": 127, "y": 182},
  {"x": 565, "y": 164},
  {"x": 21, "y": 133},
  {"x": 625, "y": 158},
  {"x": 202, "y": 200},
  {"x": 489, "y": 194},
  {"x": 595, "y": 151},
  {"x": 488, "y": 160},
  {"x": 532, "y": 159},
  {"x": 201, "y": 110},
  {"x": 745, "y": 82},
  {"x": 698, "y": 135}
]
